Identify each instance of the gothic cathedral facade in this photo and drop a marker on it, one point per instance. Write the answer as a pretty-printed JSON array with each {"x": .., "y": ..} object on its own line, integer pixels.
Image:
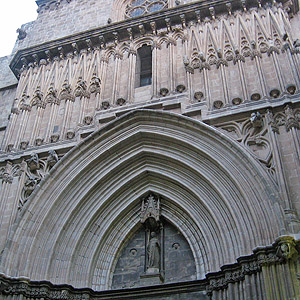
[{"x": 150, "y": 150}]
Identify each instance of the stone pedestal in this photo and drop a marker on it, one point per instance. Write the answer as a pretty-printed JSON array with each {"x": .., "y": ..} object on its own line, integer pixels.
[{"x": 151, "y": 278}]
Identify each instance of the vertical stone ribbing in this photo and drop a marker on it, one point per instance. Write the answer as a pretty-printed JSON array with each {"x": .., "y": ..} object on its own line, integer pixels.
[
  {"x": 103, "y": 68},
  {"x": 155, "y": 49},
  {"x": 131, "y": 75},
  {"x": 10, "y": 129}
]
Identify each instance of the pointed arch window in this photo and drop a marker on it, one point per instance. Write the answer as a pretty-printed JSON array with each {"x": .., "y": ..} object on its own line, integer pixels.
[{"x": 144, "y": 66}]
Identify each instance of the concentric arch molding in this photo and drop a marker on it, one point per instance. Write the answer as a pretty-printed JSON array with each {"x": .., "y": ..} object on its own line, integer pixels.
[{"x": 74, "y": 225}]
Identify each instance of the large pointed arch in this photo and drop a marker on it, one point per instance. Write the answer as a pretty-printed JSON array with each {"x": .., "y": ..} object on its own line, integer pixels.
[{"x": 76, "y": 222}]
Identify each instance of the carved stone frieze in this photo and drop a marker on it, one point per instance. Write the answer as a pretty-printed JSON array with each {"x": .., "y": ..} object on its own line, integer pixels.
[{"x": 289, "y": 118}]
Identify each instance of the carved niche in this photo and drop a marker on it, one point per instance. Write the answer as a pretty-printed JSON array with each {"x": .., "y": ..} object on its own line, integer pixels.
[{"x": 150, "y": 217}]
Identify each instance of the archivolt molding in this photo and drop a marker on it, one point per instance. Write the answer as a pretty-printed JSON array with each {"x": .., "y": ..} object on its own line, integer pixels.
[{"x": 74, "y": 224}]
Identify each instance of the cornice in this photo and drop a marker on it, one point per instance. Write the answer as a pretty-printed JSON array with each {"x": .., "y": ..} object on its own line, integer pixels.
[
  {"x": 285, "y": 248},
  {"x": 98, "y": 37}
]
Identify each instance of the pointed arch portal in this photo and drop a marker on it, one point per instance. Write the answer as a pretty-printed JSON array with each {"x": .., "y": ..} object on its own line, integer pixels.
[{"x": 83, "y": 213}]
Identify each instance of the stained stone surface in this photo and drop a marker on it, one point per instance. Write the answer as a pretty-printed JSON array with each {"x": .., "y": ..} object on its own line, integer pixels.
[
  {"x": 183, "y": 296},
  {"x": 178, "y": 260}
]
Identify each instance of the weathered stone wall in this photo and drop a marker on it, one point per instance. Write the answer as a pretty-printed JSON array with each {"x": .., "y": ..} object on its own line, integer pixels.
[
  {"x": 56, "y": 21},
  {"x": 202, "y": 70},
  {"x": 230, "y": 185},
  {"x": 8, "y": 84}
]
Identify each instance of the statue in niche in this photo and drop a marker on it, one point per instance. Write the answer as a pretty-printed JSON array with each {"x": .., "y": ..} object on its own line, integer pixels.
[
  {"x": 153, "y": 251},
  {"x": 151, "y": 218}
]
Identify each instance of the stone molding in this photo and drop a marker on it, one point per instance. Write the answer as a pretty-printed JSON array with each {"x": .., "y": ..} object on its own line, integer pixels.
[
  {"x": 116, "y": 138},
  {"x": 194, "y": 12},
  {"x": 229, "y": 274}
]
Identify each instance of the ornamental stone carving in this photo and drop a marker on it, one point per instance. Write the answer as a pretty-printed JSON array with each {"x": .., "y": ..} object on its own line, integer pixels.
[
  {"x": 88, "y": 120},
  {"x": 51, "y": 96},
  {"x": 105, "y": 105},
  {"x": 52, "y": 159},
  {"x": 38, "y": 99},
  {"x": 291, "y": 120},
  {"x": 66, "y": 91},
  {"x": 39, "y": 141},
  {"x": 150, "y": 217},
  {"x": 70, "y": 134},
  {"x": 35, "y": 170},
  {"x": 256, "y": 120},
  {"x": 21, "y": 34},
  {"x": 287, "y": 248},
  {"x": 121, "y": 101},
  {"x": 54, "y": 138},
  {"x": 81, "y": 89},
  {"x": 198, "y": 96},
  {"x": 33, "y": 163},
  {"x": 23, "y": 145},
  {"x": 95, "y": 84},
  {"x": 151, "y": 210}
]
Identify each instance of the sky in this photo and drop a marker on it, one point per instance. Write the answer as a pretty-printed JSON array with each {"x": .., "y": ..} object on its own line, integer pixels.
[{"x": 14, "y": 13}]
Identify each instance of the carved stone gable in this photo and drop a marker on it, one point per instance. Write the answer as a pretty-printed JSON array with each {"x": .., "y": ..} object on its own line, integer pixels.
[{"x": 150, "y": 208}]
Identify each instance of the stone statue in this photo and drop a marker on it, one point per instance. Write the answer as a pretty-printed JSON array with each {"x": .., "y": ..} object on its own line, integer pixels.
[
  {"x": 52, "y": 159},
  {"x": 153, "y": 251},
  {"x": 33, "y": 162}
]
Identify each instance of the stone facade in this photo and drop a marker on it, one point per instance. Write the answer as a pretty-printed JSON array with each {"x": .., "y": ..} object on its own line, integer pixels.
[{"x": 173, "y": 175}]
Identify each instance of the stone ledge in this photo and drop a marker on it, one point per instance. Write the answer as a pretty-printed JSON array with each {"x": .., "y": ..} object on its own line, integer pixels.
[{"x": 231, "y": 273}]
